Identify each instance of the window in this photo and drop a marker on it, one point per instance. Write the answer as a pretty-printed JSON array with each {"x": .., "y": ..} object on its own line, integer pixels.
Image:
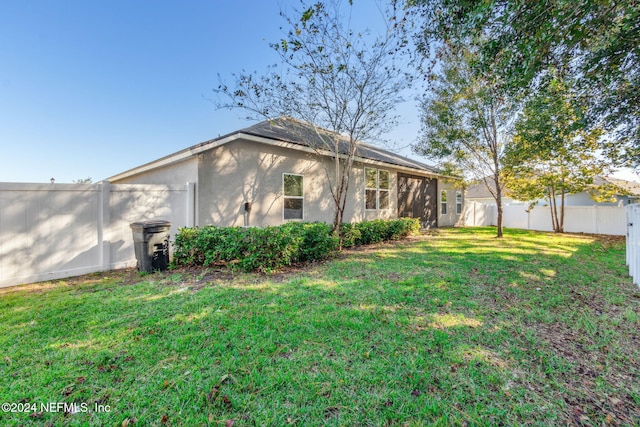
[
  {"x": 443, "y": 202},
  {"x": 293, "y": 196},
  {"x": 376, "y": 189},
  {"x": 458, "y": 202},
  {"x": 383, "y": 189}
]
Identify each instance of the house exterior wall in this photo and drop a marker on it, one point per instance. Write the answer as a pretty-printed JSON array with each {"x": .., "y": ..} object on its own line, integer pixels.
[
  {"x": 178, "y": 173},
  {"x": 584, "y": 199},
  {"x": 246, "y": 171},
  {"x": 451, "y": 217},
  {"x": 243, "y": 171}
]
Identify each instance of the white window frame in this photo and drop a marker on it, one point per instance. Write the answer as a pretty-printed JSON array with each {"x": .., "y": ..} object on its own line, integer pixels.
[
  {"x": 443, "y": 203},
  {"x": 458, "y": 202},
  {"x": 386, "y": 190},
  {"x": 285, "y": 197},
  {"x": 377, "y": 189}
]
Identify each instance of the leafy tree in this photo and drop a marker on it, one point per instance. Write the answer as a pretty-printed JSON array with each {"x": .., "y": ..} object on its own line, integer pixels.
[
  {"x": 552, "y": 153},
  {"x": 466, "y": 122},
  {"x": 332, "y": 77},
  {"x": 597, "y": 42}
]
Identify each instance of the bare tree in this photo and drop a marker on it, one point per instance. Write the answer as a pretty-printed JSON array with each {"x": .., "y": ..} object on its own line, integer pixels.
[{"x": 335, "y": 79}]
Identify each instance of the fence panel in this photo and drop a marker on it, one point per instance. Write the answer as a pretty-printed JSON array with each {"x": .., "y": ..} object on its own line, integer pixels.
[
  {"x": 578, "y": 219},
  {"x": 51, "y": 231},
  {"x": 515, "y": 217},
  {"x": 478, "y": 214}
]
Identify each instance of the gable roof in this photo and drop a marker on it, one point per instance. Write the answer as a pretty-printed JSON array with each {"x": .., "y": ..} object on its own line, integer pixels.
[
  {"x": 631, "y": 188},
  {"x": 305, "y": 134},
  {"x": 294, "y": 134},
  {"x": 479, "y": 190}
]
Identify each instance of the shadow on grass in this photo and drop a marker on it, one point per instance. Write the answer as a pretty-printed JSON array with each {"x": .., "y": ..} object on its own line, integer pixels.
[{"x": 457, "y": 327}]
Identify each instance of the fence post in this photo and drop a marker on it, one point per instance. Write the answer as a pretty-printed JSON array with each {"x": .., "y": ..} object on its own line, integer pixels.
[
  {"x": 635, "y": 234},
  {"x": 633, "y": 241},
  {"x": 104, "y": 223},
  {"x": 632, "y": 246},
  {"x": 628, "y": 214}
]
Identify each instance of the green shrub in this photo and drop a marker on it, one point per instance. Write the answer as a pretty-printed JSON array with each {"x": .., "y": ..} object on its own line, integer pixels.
[
  {"x": 376, "y": 231},
  {"x": 350, "y": 235},
  {"x": 401, "y": 228},
  {"x": 318, "y": 241},
  {"x": 262, "y": 249},
  {"x": 270, "y": 248},
  {"x": 371, "y": 232},
  {"x": 185, "y": 250}
]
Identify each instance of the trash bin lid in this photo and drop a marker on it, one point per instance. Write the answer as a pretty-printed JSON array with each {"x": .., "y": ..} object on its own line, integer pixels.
[{"x": 150, "y": 224}]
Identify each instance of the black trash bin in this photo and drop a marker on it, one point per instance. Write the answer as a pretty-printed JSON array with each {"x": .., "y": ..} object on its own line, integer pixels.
[{"x": 151, "y": 244}]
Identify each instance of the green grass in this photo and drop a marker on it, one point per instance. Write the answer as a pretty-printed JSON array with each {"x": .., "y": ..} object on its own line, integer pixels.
[{"x": 451, "y": 328}]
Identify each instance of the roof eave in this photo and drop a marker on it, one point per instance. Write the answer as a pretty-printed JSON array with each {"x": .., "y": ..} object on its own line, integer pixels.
[{"x": 209, "y": 145}]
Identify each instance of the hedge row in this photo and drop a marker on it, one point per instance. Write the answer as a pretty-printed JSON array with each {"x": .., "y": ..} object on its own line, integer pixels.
[
  {"x": 269, "y": 248},
  {"x": 378, "y": 230}
]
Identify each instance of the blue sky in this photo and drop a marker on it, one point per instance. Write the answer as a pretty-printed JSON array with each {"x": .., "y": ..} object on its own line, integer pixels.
[{"x": 93, "y": 88}]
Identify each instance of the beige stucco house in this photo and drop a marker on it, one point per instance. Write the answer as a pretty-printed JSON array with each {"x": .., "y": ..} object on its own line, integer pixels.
[{"x": 279, "y": 170}]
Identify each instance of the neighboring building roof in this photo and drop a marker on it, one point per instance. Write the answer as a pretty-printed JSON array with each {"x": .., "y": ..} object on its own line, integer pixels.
[
  {"x": 293, "y": 134},
  {"x": 480, "y": 190},
  {"x": 629, "y": 187}
]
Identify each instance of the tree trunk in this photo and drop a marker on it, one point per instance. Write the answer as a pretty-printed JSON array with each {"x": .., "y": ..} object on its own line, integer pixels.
[
  {"x": 343, "y": 175},
  {"x": 557, "y": 227},
  {"x": 551, "y": 199},
  {"x": 561, "y": 228},
  {"x": 499, "y": 206},
  {"x": 337, "y": 226}
]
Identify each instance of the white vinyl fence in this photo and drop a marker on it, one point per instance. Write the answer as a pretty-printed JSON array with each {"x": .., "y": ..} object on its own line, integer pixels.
[
  {"x": 610, "y": 220},
  {"x": 633, "y": 242},
  {"x": 52, "y": 231}
]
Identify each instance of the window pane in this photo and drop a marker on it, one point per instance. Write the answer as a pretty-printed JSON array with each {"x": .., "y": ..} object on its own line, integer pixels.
[
  {"x": 372, "y": 181},
  {"x": 443, "y": 196},
  {"x": 293, "y": 185},
  {"x": 292, "y": 208},
  {"x": 384, "y": 199},
  {"x": 383, "y": 180},
  {"x": 371, "y": 199},
  {"x": 458, "y": 197},
  {"x": 443, "y": 209}
]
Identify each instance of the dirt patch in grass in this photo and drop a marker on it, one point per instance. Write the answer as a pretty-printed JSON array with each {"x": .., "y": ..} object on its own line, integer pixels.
[
  {"x": 594, "y": 368},
  {"x": 125, "y": 276}
]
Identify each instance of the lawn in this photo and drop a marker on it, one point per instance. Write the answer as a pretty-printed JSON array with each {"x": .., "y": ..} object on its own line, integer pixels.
[{"x": 454, "y": 327}]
